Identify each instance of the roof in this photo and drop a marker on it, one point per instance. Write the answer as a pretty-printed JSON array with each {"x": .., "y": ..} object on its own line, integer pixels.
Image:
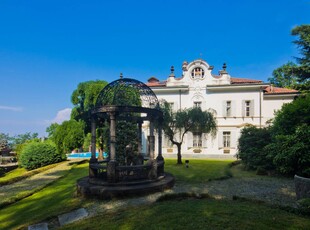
[
  {"x": 277, "y": 90},
  {"x": 269, "y": 90},
  {"x": 234, "y": 80}
]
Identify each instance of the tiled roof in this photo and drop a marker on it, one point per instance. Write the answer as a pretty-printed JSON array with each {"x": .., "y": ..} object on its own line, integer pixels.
[
  {"x": 277, "y": 90},
  {"x": 234, "y": 80}
]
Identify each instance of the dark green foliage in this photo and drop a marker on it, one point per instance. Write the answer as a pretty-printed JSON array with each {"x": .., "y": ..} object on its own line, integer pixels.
[
  {"x": 126, "y": 134},
  {"x": 69, "y": 136},
  {"x": 284, "y": 76},
  {"x": 291, "y": 116},
  {"x": 291, "y": 153},
  {"x": 303, "y": 43},
  {"x": 251, "y": 147},
  {"x": 38, "y": 154}
]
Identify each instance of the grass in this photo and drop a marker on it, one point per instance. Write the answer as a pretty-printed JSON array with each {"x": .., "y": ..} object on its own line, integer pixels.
[
  {"x": 58, "y": 197},
  {"x": 196, "y": 214},
  {"x": 199, "y": 171},
  {"x": 21, "y": 173}
]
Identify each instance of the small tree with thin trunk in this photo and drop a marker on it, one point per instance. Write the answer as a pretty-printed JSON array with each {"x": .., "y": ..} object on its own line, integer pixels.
[{"x": 176, "y": 124}]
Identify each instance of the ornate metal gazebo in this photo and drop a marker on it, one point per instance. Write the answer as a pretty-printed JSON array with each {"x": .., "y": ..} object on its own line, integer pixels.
[{"x": 126, "y": 103}]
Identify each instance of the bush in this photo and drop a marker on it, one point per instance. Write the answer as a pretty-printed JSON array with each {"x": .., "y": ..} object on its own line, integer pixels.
[
  {"x": 251, "y": 148},
  {"x": 304, "y": 206},
  {"x": 38, "y": 154},
  {"x": 291, "y": 153}
]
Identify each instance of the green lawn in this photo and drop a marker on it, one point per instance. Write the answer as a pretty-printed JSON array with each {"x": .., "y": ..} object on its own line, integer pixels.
[
  {"x": 196, "y": 214},
  {"x": 55, "y": 199},
  {"x": 59, "y": 197},
  {"x": 199, "y": 171},
  {"x": 21, "y": 173}
]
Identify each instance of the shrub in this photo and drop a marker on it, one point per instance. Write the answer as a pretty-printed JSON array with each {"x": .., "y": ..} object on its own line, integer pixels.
[
  {"x": 291, "y": 116},
  {"x": 38, "y": 154},
  {"x": 304, "y": 206},
  {"x": 251, "y": 148},
  {"x": 291, "y": 153}
]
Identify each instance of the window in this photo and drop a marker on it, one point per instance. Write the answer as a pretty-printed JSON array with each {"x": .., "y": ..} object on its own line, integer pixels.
[
  {"x": 228, "y": 108},
  {"x": 247, "y": 108},
  {"x": 197, "y": 104},
  {"x": 226, "y": 139},
  {"x": 197, "y": 140},
  {"x": 197, "y": 73}
]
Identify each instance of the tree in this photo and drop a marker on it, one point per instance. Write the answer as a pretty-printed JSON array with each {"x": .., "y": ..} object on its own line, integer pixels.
[
  {"x": 284, "y": 76},
  {"x": 52, "y": 129},
  {"x": 291, "y": 116},
  {"x": 292, "y": 75},
  {"x": 303, "y": 43},
  {"x": 176, "y": 124},
  {"x": 23, "y": 138},
  {"x": 68, "y": 136},
  {"x": 84, "y": 99}
]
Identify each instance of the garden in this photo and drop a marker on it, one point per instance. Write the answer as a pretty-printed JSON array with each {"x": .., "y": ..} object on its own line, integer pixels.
[{"x": 203, "y": 196}]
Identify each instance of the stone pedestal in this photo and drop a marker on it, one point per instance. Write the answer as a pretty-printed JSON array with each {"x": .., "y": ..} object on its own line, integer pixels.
[
  {"x": 111, "y": 172},
  {"x": 302, "y": 187}
]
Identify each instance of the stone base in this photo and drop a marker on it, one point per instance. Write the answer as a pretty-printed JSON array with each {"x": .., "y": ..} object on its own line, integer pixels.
[
  {"x": 90, "y": 187},
  {"x": 302, "y": 187}
]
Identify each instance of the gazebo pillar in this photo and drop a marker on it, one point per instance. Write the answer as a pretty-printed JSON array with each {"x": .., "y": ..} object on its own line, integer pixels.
[
  {"x": 160, "y": 155},
  {"x": 153, "y": 172},
  {"x": 93, "y": 159},
  {"x": 139, "y": 137},
  {"x": 111, "y": 170}
]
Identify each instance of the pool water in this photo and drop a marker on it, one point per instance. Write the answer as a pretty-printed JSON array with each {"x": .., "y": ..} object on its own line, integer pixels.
[{"x": 84, "y": 155}]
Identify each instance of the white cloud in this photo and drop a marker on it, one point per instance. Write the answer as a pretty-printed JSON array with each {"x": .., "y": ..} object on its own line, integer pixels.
[
  {"x": 15, "y": 109},
  {"x": 62, "y": 115}
]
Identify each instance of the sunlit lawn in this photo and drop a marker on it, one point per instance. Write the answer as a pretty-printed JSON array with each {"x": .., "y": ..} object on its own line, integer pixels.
[
  {"x": 55, "y": 199},
  {"x": 199, "y": 171},
  {"x": 21, "y": 173}
]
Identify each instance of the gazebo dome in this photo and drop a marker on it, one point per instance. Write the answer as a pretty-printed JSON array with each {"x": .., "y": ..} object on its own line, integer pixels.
[{"x": 127, "y": 92}]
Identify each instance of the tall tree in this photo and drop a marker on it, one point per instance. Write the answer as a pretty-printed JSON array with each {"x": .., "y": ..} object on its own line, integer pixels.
[
  {"x": 303, "y": 43},
  {"x": 176, "y": 124},
  {"x": 284, "y": 76},
  {"x": 84, "y": 98},
  {"x": 51, "y": 129},
  {"x": 293, "y": 75},
  {"x": 68, "y": 136}
]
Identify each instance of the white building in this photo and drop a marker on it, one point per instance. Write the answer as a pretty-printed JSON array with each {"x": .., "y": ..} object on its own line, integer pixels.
[{"x": 236, "y": 102}]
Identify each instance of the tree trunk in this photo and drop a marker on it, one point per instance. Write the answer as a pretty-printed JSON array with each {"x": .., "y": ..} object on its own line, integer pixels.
[{"x": 179, "y": 153}]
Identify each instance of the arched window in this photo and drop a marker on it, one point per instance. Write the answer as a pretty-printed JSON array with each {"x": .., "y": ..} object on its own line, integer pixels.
[{"x": 198, "y": 73}]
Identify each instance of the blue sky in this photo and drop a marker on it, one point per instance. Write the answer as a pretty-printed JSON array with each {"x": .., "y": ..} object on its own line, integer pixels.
[{"x": 48, "y": 47}]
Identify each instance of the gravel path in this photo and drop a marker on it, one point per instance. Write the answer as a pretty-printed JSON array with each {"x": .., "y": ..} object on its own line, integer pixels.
[{"x": 274, "y": 191}]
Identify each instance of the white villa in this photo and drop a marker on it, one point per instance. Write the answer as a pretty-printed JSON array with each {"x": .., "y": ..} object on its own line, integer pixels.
[{"x": 235, "y": 102}]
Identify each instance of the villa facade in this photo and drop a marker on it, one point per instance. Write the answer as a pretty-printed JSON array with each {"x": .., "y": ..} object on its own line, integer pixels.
[{"x": 235, "y": 102}]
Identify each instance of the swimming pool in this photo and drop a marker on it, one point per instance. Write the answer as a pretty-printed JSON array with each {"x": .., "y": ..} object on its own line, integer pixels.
[{"x": 83, "y": 155}]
